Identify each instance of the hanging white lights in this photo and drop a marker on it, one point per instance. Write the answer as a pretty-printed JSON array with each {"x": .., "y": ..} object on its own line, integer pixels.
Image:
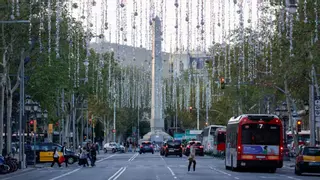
[
  {"x": 12, "y": 9},
  {"x": 49, "y": 31},
  {"x": 18, "y": 8},
  {"x": 316, "y": 20},
  {"x": 58, "y": 19},
  {"x": 41, "y": 27},
  {"x": 305, "y": 12},
  {"x": 30, "y": 22}
]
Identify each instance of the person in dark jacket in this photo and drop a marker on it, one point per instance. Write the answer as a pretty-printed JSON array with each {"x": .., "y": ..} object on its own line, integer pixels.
[
  {"x": 64, "y": 152},
  {"x": 93, "y": 154}
]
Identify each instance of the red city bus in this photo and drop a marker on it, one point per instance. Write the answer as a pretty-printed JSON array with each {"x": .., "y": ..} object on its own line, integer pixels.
[
  {"x": 254, "y": 141},
  {"x": 219, "y": 141}
]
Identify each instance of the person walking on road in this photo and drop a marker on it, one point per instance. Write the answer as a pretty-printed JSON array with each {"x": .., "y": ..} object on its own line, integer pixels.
[
  {"x": 55, "y": 157},
  {"x": 192, "y": 157},
  {"x": 64, "y": 151},
  {"x": 93, "y": 154}
]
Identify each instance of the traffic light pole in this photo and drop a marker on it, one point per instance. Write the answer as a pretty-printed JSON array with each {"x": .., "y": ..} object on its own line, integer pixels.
[{"x": 114, "y": 120}]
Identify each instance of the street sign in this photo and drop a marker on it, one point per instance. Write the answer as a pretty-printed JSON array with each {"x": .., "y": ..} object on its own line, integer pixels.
[
  {"x": 178, "y": 136},
  {"x": 195, "y": 131},
  {"x": 317, "y": 107},
  {"x": 317, "y": 111}
]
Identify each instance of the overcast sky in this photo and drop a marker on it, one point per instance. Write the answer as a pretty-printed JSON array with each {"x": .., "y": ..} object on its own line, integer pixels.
[{"x": 169, "y": 21}]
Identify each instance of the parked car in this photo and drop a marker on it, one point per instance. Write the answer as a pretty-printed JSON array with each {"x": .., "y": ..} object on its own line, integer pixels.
[
  {"x": 112, "y": 146},
  {"x": 307, "y": 160},
  {"x": 198, "y": 146},
  {"x": 120, "y": 148},
  {"x": 173, "y": 147},
  {"x": 146, "y": 146}
]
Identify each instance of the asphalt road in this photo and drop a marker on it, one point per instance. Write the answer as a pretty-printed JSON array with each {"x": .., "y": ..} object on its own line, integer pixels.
[{"x": 132, "y": 166}]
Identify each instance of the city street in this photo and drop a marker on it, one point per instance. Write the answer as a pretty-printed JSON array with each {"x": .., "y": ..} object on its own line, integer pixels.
[{"x": 131, "y": 166}]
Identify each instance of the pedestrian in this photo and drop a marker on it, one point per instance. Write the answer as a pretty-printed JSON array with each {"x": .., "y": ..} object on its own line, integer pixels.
[
  {"x": 93, "y": 154},
  {"x": 192, "y": 157},
  {"x": 98, "y": 147},
  {"x": 83, "y": 157},
  {"x": 64, "y": 152},
  {"x": 55, "y": 157}
]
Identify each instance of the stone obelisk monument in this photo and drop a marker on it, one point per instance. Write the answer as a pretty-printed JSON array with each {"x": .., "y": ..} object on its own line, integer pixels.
[{"x": 156, "y": 123}]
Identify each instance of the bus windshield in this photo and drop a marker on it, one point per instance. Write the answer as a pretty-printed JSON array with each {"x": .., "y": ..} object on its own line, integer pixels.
[{"x": 261, "y": 134}]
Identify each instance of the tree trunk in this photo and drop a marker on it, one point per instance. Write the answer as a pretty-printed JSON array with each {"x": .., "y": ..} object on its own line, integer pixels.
[
  {"x": 1, "y": 117},
  {"x": 9, "y": 123},
  {"x": 66, "y": 128}
]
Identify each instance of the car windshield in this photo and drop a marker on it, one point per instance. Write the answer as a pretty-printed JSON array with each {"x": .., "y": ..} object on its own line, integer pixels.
[
  {"x": 174, "y": 143},
  {"x": 311, "y": 151},
  {"x": 146, "y": 143},
  {"x": 260, "y": 134}
]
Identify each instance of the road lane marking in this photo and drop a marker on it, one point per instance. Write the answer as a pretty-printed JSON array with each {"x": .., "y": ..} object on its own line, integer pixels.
[
  {"x": 119, "y": 174},
  {"x": 105, "y": 158},
  {"x": 290, "y": 177},
  {"x": 133, "y": 157},
  {"x": 66, "y": 174},
  {"x": 172, "y": 172},
  {"x": 222, "y": 172},
  {"x": 116, "y": 173},
  {"x": 236, "y": 177}
]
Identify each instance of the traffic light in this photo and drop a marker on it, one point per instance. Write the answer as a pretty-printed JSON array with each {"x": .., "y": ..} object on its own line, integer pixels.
[
  {"x": 206, "y": 123},
  {"x": 222, "y": 83},
  {"x": 113, "y": 131},
  {"x": 190, "y": 109},
  {"x": 299, "y": 124}
]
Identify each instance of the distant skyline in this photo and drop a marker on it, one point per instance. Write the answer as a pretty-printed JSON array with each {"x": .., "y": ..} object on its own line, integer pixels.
[{"x": 169, "y": 21}]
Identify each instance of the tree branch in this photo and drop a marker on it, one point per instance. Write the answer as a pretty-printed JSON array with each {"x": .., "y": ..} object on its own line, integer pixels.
[{"x": 15, "y": 87}]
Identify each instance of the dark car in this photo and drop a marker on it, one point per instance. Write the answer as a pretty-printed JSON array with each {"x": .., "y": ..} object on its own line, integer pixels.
[
  {"x": 198, "y": 146},
  {"x": 146, "y": 146},
  {"x": 173, "y": 148}
]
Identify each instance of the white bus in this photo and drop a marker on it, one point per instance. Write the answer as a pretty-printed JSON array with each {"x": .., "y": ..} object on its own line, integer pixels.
[{"x": 208, "y": 137}]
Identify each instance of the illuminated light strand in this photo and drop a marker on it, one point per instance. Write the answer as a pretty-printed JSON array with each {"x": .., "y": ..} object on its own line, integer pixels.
[
  {"x": 316, "y": 20},
  {"x": 30, "y": 22},
  {"x": 12, "y": 17},
  {"x": 305, "y": 12},
  {"x": 18, "y": 8},
  {"x": 58, "y": 19},
  {"x": 49, "y": 31},
  {"x": 41, "y": 27},
  {"x": 141, "y": 27}
]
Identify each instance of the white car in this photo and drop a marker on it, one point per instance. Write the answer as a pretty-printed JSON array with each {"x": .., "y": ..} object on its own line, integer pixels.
[{"x": 112, "y": 146}]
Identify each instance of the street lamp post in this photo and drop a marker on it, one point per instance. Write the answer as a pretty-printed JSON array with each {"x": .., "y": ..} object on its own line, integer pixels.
[
  {"x": 114, "y": 117},
  {"x": 291, "y": 8}
]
